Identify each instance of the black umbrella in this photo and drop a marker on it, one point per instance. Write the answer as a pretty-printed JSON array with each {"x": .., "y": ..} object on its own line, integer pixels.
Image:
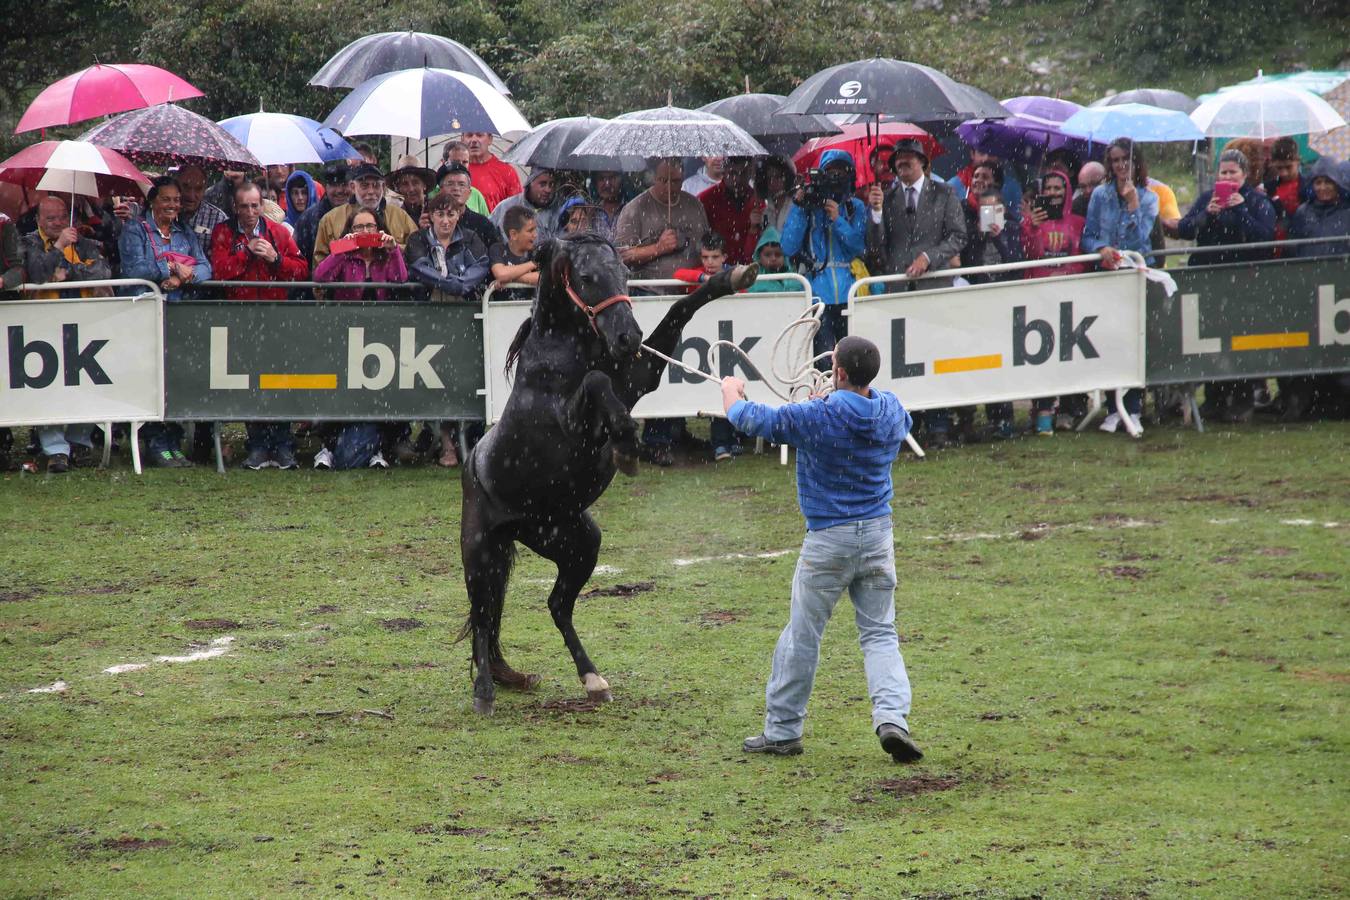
[
  {"x": 1159, "y": 97},
  {"x": 390, "y": 51},
  {"x": 550, "y": 146},
  {"x": 758, "y": 114},
  {"x": 880, "y": 86}
]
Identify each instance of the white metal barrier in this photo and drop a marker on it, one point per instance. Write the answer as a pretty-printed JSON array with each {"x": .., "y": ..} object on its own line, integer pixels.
[
  {"x": 1003, "y": 341},
  {"x": 98, "y": 359},
  {"x": 751, "y": 320}
]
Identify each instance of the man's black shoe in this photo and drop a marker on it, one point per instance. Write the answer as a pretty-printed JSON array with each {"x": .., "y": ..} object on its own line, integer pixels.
[
  {"x": 58, "y": 463},
  {"x": 760, "y": 744},
  {"x": 896, "y": 741}
]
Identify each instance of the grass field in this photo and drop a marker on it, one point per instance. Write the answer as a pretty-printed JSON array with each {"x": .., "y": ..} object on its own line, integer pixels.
[{"x": 1128, "y": 660}]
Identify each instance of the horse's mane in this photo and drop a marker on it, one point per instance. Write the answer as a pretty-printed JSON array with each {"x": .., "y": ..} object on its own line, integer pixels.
[{"x": 548, "y": 255}]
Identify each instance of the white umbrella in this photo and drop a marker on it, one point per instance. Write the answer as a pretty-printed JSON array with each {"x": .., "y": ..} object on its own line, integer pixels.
[
  {"x": 1265, "y": 109},
  {"x": 423, "y": 103},
  {"x": 670, "y": 131},
  {"x": 278, "y": 139}
]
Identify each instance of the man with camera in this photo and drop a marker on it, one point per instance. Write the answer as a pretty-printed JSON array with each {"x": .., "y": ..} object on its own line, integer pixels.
[{"x": 825, "y": 232}]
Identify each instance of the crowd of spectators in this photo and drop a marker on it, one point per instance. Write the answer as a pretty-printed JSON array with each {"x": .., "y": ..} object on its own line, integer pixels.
[{"x": 450, "y": 233}]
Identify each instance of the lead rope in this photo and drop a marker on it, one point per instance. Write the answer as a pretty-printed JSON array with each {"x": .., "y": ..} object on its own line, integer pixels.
[{"x": 792, "y": 342}]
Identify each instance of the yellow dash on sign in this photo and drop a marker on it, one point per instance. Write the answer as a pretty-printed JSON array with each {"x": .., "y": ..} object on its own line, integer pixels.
[
  {"x": 298, "y": 382},
  {"x": 1270, "y": 341},
  {"x": 967, "y": 364}
]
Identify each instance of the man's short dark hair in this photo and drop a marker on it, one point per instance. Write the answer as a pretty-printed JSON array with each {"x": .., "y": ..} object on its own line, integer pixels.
[
  {"x": 995, "y": 172},
  {"x": 516, "y": 218},
  {"x": 1285, "y": 149},
  {"x": 711, "y": 240},
  {"x": 859, "y": 358}
]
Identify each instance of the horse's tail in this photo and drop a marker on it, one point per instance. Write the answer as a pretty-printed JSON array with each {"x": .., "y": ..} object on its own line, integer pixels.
[{"x": 517, "y": 344}]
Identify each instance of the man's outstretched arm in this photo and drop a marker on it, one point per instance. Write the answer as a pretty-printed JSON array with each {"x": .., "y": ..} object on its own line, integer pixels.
[{"x": 789, "y": 424}]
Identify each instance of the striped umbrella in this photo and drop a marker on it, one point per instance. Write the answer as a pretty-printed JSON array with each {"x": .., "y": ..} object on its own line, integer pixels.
[
  {"x": 278, "y": 139},
  {"x": 423, "y": 103},
  {"x": 73, "y": 167},
  {"x": 102, "y": 91}
]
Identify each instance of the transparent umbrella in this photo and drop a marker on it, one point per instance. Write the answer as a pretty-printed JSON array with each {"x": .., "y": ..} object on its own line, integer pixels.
[{"x": 1265, "y": 110}]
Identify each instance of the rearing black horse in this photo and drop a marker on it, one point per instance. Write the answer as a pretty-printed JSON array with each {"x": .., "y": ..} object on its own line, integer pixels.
[{"x": 565, "y": 429}]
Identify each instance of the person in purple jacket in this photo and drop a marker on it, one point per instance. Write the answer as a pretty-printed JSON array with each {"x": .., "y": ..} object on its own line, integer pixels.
[{"x": 846, "y": 443}]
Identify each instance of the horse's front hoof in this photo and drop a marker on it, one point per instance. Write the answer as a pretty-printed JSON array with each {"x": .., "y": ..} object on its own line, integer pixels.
[
  {"x": 483, "y": 707},
  {"x": 601, "y": 696},
  {"x": 744, "y": 276},
  {"x": 627, "y": 463}
]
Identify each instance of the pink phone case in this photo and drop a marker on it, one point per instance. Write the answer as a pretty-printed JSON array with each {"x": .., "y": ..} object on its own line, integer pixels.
[{"x": 1223, "y": 190}]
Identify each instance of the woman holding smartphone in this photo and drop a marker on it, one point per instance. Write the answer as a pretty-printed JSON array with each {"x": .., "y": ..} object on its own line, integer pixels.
[{"x": 1233, "y": 212}]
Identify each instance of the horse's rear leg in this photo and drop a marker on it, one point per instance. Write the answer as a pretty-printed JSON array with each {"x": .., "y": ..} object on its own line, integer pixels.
[{"x": 573, "y": 545}]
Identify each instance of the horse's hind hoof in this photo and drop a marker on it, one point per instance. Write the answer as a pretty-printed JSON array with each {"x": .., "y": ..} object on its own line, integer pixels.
[
  {"x": 483, "y": 707},
  {"x": 626, "y": 463},
  {"x": 603, "y": 696},
  {"x": 744, "y": 276}
]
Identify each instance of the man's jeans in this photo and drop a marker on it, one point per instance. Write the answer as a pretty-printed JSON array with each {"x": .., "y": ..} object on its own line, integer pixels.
[
  {"x": 858, "y": 557},
  {"x": 58, "y": 438}
]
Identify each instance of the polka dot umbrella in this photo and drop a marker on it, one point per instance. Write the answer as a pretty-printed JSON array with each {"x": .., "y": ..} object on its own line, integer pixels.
[{"x": 168, "y": 135}]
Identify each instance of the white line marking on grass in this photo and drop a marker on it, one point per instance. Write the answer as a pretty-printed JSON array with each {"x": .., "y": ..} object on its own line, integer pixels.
[
  {"x": 769, "y": 554},
  {"x": 1039, "y": 529},
  {"x": 218, "y": 647},
  {"x": 56, "y": 687},
  {"x": 607, "y": 570},
  {"x": 1306, "y": 522}
]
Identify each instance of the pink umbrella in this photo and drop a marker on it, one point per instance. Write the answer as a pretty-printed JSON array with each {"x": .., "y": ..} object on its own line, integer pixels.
[
  {"x": 101, "y": 91},
  {"x": 73, "y": 167}
]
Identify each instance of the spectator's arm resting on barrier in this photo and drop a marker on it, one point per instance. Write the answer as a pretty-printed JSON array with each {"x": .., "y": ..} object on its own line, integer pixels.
[{"x": 525, "y": 273}]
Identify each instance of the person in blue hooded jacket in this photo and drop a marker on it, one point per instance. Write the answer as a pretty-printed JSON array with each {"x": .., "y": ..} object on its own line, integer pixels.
[
  {"x": 846, "y": 443},
  {"x": 827, "y": 239},
  {"x": 301, "y": 194}
]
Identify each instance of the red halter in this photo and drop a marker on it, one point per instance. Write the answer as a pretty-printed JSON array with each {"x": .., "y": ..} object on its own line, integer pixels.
[{"x": 593, "y": 311}]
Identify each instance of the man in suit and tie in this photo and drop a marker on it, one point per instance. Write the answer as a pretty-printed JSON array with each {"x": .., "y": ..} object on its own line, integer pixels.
[{"x": 916, "y": 226}]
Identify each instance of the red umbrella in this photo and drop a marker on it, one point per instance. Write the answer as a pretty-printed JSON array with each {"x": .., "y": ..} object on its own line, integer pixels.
[
  {"x": 73, "y": 167},
  {"x": 858, "y": 140},
  {"x": 101, "y": 91}
]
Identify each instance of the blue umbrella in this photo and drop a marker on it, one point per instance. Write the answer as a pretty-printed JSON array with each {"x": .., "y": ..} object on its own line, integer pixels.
[
  {"x": 278, "y": 139},
  {"x": 1135, "y": 121}
]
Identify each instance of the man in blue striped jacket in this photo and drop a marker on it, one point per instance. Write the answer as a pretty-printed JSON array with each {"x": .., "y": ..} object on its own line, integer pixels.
[{"x": 846, "y": 443}]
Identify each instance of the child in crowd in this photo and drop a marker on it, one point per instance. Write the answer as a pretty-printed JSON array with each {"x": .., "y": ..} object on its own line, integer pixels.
[
  {"x": 511, "y": 262},
  {"x": 712, "y": 254},
  {"x": 772, "y": 261}
]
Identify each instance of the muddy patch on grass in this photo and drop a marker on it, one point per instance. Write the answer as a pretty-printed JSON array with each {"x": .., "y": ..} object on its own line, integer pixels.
[
  {"x": 211, "y": 625},
  {"x": 912, "y": 786},
  {"x": 556, "y": 883},
  {"x": 16, "y": 596},
  {"x": 401, "y": 624},
  {"x": 126, "y": 843},
  {"x": 1131, "y": 573},
  {"x": 457, "y": 830},
  {"x": 736, "y": 493},
  {"x": 621, "y": 590},
  {"x": 1231, "y": 499},
  {"x": 716, "y": 618},
  {"x": 1273, "y": 551},
  {"x": 323, "y": 609},
  {"x": 1322, "y": 676},
  {"x": 662, "y": 777},
  {"x": 98, "y": 590}
]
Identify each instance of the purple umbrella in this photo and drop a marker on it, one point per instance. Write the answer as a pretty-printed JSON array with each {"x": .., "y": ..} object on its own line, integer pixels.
[{"x": 1032, "y": 131}]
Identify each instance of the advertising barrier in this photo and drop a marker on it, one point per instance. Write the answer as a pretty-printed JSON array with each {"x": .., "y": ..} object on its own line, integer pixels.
[
  {"x": 82, "y": 360},
  {"x": 293, "y": 360},
  {"x": 1005, "y": 341},
  {"x": 1283, "y": 317},
  {"x": 751, "y": 321}
]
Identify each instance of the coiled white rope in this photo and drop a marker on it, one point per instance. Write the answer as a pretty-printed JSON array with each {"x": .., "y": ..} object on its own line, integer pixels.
[{"x": 793, "y": 342}]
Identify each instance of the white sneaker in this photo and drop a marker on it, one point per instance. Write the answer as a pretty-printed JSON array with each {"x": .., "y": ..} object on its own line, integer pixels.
[
  {"x": 323, "y": 459},
  {"x": 377, "y": 461},
  {"x": 1110, "y": 423}
]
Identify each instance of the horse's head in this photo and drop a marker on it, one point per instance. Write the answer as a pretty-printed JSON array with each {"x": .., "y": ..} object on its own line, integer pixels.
[{"x": 588, "y": 278}]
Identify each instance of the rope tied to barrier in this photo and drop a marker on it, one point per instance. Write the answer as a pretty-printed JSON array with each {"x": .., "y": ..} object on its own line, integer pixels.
[{"x": 793, "y": 342}]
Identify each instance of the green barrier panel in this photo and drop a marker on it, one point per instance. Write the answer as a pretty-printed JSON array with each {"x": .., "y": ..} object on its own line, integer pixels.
[
  {"x": 1284, "y": 317},
  {"x": 287, "y": 361}
]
